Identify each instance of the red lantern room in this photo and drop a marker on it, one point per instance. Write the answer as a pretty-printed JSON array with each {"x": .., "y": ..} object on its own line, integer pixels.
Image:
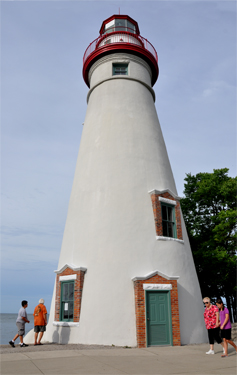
[{"x": 120, "y": 33}]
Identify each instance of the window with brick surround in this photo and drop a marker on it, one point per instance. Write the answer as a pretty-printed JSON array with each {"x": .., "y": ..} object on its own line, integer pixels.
[
  {"x": 167, "y": 215},
  {"x": 69, "y": 287}
]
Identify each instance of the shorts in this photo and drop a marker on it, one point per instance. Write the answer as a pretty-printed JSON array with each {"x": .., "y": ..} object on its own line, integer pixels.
[
  {"x": 226, "y": 334},
  {"x": 21, "y": 328},
  {"x": 214, "y": 334},
  {"x": 39, "y": 328}
]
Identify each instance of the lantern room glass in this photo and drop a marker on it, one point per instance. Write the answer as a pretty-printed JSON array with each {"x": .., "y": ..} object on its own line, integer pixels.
[{"x": 119, "y": 24}]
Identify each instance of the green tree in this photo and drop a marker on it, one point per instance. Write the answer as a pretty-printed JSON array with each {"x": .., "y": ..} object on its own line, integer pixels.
[{"x": 209, "y": 210}]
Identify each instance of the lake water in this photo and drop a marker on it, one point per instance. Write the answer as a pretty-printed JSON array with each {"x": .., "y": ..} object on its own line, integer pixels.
[{"x": 8, "y": 328}]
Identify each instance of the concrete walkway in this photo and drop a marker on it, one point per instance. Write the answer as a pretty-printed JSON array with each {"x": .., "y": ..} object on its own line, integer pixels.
[{"x": 67, "y": 359}]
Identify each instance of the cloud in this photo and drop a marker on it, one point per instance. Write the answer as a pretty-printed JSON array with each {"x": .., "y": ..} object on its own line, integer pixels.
[
  {"x": 216, "y": 88},
  {"x": 19, "y": 231}
]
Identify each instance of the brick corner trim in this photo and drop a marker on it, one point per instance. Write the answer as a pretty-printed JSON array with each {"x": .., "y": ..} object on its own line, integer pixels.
[
  {"x": 78, "y": 287},
  {"x": 156, "y": 205},
  {"x": 141, "y": 309}
]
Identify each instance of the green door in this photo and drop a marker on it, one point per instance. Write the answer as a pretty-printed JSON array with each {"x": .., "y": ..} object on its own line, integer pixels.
[{"x": 158, "y": 318}]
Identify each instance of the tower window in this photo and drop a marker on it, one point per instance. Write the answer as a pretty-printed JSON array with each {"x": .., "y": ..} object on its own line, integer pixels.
[
  {"x": 168, "y": 220},
  {"x": 69, "y": 288},
  {"x": 120, "y": 69},
  {"x": 167, "y": 215},
  {"x": 67, "y": 301}
]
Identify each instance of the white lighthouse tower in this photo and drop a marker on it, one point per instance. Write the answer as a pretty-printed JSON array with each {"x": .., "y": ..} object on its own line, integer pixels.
[{"x": 125, "y": 274}]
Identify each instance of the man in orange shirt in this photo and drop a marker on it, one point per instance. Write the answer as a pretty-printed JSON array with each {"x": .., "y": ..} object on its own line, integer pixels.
[{"x": 40, "y": 321}]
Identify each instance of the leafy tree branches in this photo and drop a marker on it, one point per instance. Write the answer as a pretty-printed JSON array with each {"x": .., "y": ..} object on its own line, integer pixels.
[{"x": 209, "y": 210}]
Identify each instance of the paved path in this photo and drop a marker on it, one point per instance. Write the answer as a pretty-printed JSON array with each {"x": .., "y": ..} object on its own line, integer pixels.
[{"x": 80, "y": 359}]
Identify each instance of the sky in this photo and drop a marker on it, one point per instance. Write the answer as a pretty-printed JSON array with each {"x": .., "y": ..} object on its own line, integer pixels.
[{"x": 43, "y": 107}]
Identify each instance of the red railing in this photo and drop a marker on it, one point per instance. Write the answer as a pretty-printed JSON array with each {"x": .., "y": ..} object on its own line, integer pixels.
[{"x": 116, "y": 37}]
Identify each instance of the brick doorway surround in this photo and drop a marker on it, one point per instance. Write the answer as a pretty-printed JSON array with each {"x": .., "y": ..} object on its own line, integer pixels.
[{"x": 155, "y": 277}]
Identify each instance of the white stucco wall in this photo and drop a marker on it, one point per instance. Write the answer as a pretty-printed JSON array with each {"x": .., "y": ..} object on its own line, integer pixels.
[{"x": 110, "y": 226}]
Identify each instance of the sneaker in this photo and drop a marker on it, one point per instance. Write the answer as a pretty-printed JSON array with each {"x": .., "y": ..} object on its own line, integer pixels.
[
  {"x": 12, "y": 343},
  {"x": 210, "y": 352},
  {"x": 23, "y": 345}
]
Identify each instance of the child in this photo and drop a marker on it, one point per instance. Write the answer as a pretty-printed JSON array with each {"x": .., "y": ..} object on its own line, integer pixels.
[
  {"x": 225, "y": 326},
  {"x": 22, "y": 319}
]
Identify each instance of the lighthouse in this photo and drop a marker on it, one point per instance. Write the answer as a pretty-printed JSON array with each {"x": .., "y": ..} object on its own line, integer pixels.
[{"x": 125, "y": 274}]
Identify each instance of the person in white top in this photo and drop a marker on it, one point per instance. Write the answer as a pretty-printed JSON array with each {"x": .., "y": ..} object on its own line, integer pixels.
[{"x": 22, "y": 319}]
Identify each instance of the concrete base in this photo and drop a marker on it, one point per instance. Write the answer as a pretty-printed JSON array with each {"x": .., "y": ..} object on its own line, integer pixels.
[{"x": 66, "y": 359}]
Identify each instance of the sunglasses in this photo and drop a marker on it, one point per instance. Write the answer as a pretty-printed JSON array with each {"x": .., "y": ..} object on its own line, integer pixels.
[{"x": 206, "y": 303}]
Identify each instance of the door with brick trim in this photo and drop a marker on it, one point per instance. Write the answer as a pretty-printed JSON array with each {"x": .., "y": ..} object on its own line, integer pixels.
[{"x": 158, "y": 318}]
